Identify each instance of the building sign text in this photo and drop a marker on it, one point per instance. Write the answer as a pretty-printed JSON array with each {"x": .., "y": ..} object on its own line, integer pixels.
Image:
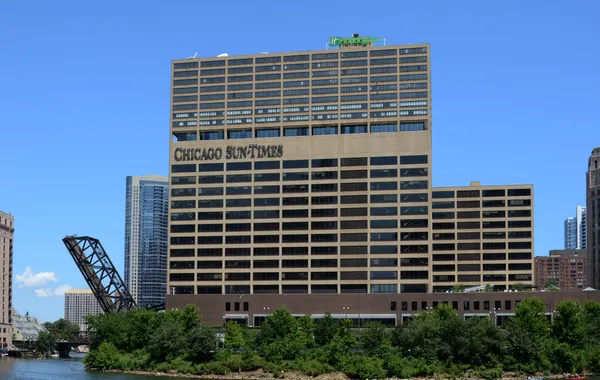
[{"x": 229, "y": 153}]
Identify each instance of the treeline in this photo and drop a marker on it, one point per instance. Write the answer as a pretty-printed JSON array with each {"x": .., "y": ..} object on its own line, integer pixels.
[{"x": 437, "y": 342}]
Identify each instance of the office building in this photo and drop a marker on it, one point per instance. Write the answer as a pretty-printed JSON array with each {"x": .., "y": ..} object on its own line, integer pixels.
[
  {"x": 575, "y": 230},
  {"x": 80, "y": 304},
  {"x": 146, "y": 223},
  {"x": 566, "y": 269},
  {"x": 304, "y": 179},
  {"x": 7, "y": 231},
  {"x": 482, "y": 235},
  {"x": 593, "y": 218}
]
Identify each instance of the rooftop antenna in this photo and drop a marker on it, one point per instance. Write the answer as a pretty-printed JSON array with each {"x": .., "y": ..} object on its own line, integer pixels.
[{"x": 194, "y": 56}]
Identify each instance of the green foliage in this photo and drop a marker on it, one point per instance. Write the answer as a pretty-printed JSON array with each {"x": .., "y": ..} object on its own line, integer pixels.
[
  {"x": 63, "y": 329},
  {"x": 326, "y": 328},
  {"x": 528, "y": 330},
  {"x": 436, "y": 343},
  {"x": 568, "y": 325},
  {"x": 234, "y": 335},
  {"x": 45, "y": 343},
  {"x": 375, "y": 339}
]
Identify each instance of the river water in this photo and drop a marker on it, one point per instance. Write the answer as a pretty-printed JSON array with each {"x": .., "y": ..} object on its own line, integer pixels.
[
  {"x": 67, "y": 369},
  {"x": 59, "y": 369}
]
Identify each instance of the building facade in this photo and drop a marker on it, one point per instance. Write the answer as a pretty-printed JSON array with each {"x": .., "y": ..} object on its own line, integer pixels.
[
  {"x": 146, "y": 224},
  {"x": 566, "y": 269},
  {"x": 307, "y": 175},
  {"x": 482, "y": 235},
  {"x": 7, "y": 230},
  {"x": 576, "y": 230},
  {"x": 80, "y": 304},
  {"x": 593, "y": 218}
]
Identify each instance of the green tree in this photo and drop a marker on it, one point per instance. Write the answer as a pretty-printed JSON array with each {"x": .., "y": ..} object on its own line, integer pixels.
[
  {"x": 45, "y": 343},
  {"x": 458, "y": 288},
  {"x": 234, "y": 335},
  {"x": 325, "y": 330},
  {"x": 591, "y": 316},
  {"x": 64, "y": 330},
  {"x": 282, "y": 337},
  {"x": 168, "y": 340},
  {"x": 488, "y": 288},
  {"x": 568, "y": 325},
  {"x": 375, "y": 339},
  {"x": 518, "y": 287},
  {"x": 201, "y": 343},
  {"x": 484, "y": 342},
  {"x": 528, "y": 330}
]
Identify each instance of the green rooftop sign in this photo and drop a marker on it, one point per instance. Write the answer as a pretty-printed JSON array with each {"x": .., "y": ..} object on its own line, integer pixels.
[{"x": 353, "y": 41}]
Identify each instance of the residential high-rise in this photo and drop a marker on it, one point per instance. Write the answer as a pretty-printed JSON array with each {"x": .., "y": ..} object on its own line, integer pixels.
[
  {"x": 576, "y": 230},
  {"x": 566, "y": 269},
  {"x": 7, "y": 230},
  {"x": 593, "y": 217},
  {"x": 304, "y": 179},
  {"x": 146, "y": 223},
  {"x": 482, "y": 235},
  {"x": 80, "y": 304}
]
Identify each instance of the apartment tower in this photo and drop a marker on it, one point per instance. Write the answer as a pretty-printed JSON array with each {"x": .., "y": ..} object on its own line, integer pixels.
[
  {"x": 7, "y": 230},
  {"x": 593, "y": 217},
  {"x": 576, "y": 230},
  {"x": 146, "y": 223},
  {"x": 80, "y": 304},
  {"x": 565, "y": 269}
]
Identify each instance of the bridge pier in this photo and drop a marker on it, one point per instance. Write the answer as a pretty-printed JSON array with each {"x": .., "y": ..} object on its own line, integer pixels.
[{"x": 63, "y": 349}]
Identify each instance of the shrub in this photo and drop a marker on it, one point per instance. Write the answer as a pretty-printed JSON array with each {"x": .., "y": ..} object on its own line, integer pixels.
[{"x": 105, "y": 357}]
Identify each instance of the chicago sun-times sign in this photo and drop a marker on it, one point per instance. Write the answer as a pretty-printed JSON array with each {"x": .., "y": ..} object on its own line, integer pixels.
[{"x": 230, "y": 152}]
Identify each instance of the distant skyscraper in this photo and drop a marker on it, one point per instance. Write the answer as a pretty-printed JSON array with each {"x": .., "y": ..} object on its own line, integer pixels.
[
  {"x": 80, "y": 304},
  {"x": 593, "y": 217},
  {"x": 6, "y": 262},
  {"x": 146, "y": 221},
  {"x": 576, "y": 230}
]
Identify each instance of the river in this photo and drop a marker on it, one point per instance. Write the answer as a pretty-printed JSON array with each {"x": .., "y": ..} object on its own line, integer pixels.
[{"x": 59, "y": 369}]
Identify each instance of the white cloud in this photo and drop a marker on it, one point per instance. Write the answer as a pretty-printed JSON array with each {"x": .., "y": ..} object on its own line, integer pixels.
[
  {"x": 49, "y": 292},
  {"x": 32, "y": 280}
]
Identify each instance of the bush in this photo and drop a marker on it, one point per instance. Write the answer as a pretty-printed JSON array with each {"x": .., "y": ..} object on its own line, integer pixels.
[
  {"x": 364, "y": 367},
  {"x": 313, "y": 367},
  {"x": 105, "y": 357},
  {"x": 489, "y": 373}
]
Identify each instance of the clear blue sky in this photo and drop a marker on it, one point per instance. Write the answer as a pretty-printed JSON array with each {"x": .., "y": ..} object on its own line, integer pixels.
[{"x": 84, "y": 102}]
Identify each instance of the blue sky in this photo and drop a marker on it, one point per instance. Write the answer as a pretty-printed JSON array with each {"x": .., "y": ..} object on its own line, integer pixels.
[{"x": 84, "y": 102}]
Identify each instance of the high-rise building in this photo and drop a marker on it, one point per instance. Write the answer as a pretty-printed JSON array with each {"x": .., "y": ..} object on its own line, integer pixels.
[
  {"x": 304, "y": 179},
  {"x": 576, "y": 230},
  {"x": 7, "y": 230},
  {"x": 566, "y": 269},
  {"x": 593, "y": 217},
  {"x": 146, "y": 223},
  {"x": 80, "y": 304},
  {"x": 482, "y": 235}
]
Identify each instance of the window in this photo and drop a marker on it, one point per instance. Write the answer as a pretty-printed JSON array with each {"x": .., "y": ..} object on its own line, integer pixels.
[
  {"x": 319, "y": 131},
  {"x": 350, "y": 129}
]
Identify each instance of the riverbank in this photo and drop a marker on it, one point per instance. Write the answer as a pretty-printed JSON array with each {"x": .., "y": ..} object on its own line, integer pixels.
[{"x": 293, "y": 375}]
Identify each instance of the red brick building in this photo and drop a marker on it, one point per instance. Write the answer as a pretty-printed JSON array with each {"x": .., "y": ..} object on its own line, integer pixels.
[{"x": 567, "y": 269}]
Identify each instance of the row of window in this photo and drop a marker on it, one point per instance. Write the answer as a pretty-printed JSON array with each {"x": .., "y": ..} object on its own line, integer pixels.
[
  {"x": 301, "y": 92},
  {"x": 480, "y": 193},
  {"x": 290, "y": 289},
  {"x": 303, "y": 226},
  {"x": 298, "y": 276},
  {"x": 484, "y": 235},
  {"x": 348, "y": 76},
  {"x": 363, "y": 249},
  {"x": 300, "y": 263},
  {"x": 475, "y": 246},
  {"x": 300, "y": 164},
  {"x": 305, "y": 57},
  {"x": 301, "y": 83},
  {"x": 478, "y": 204},
  {"x": 481, "y": 214}
]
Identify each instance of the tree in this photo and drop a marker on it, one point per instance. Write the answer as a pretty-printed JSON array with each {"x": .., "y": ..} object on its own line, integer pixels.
[
  {"x": 282, "y": 337},
  {"x": 591, "y": 316},
  {"x": 45, "y": 343},
  {"x": 568, "y": 325},
  {"x": 234, "y": 335},
  {"x": 64, "y": 330},
  {"x": 326, "y": 329},
  {"x": 201, "y": 343},
  {"x": 458, "y": 288},
  {"x": 375, "y": 339},
  {"x": 488, "y": 288},
  {"x": 528, "y": 330},
  {"x": 519, "y": 287},
  {"x": 551, "y": 283},
  {"x": 168, "y": 340}
]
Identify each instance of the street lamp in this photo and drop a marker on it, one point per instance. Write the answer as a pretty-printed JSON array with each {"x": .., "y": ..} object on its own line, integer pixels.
[
  {"x": 346, "y": 308},
  {"x": 493, "y": 314}
]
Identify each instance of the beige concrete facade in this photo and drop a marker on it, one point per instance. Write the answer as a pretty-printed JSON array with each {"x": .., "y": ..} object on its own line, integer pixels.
[
  {"x": 482, "y": 235},
  {"x": 309, "y": 174},
  {"x": 7, "y": 230},
  {"x": 80, "y": 304}
]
